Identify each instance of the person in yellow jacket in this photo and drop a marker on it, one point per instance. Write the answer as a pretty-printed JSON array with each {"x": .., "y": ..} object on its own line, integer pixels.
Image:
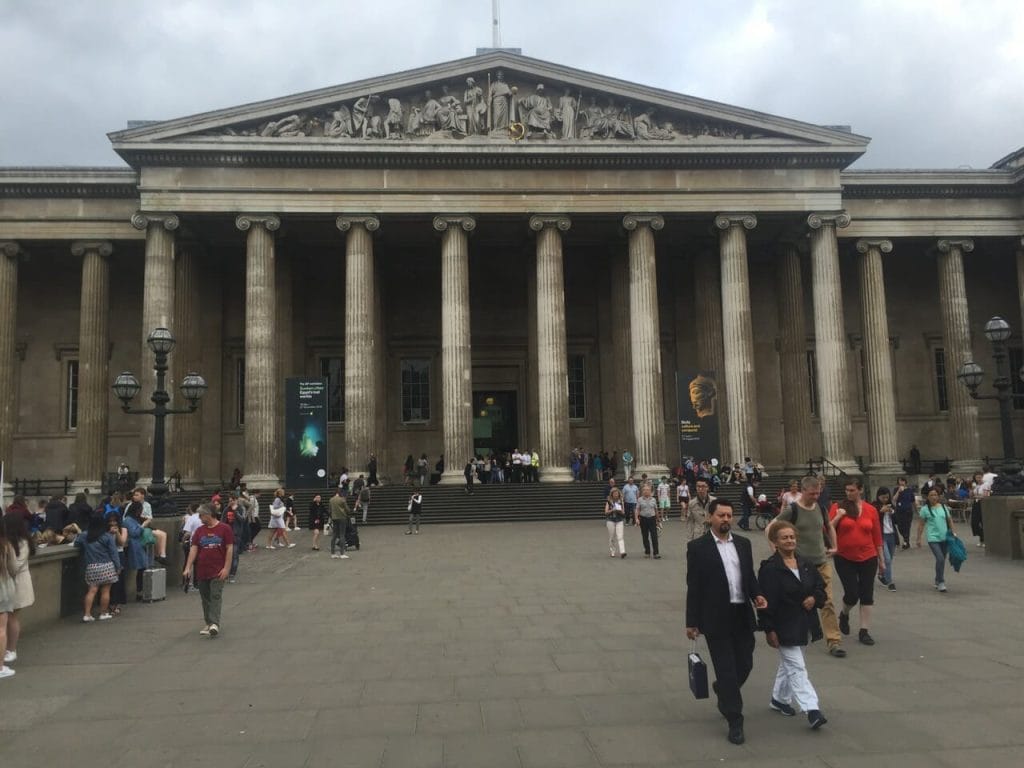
[{"x": 535, "y": 467}]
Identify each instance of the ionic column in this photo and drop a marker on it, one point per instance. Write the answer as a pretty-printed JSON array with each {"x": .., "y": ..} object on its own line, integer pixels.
[
  {"x": 707, "y": 304},
  {"x": 956, "y": 339},
  {"x": 552, "y": 353},
  {"x": 878, "y": 380},
  {"x": 93, "y": 374},
  {"x": 261, "y": 375},
  {"x": 10, "y": 254},
  {"x": 796, "y": 414},
  {"x": 830, "y": 340},
  {"x": 361, "y": 353},
  {"x": 187, "y": 438},
  {"x": 157, "y": 312},
  {"x": 1020, "y": 282},
  {"x": 738, "y": 337},
  {"x": 456, "y": 350},
  {"x": 621, "y": 401},
  {"x": 645, "y": 345}
]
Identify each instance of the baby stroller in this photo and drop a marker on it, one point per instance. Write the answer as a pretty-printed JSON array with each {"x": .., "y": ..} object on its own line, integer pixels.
[{"x": 352, "y": 533}]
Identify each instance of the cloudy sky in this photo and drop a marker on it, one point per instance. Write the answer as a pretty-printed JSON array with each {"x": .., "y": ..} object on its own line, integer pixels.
[{"x": 935, "y": 83}]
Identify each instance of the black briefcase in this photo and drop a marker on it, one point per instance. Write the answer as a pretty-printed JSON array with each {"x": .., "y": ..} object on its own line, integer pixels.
[{"x": 698, "y": 673}]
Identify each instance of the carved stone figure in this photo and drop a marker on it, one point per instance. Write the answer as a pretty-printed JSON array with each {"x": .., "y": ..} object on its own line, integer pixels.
[
  {"x": 475, "y": 107},
  {"x": 646, "y": 130},
  {"x": 340, "y": 123},
  {"x": 566, "y": 114},
  {"x": 429, "y": 117},
  {"x": 592, "y": 121},
  {"x": 451, "y": 117},
  {"x": 536, "y": 111},
  {"x": 286, "y": 126},
  {"x": 363, "y": 119},
  {"x": 393, "y": 122},
  {"x": 616, "y": 123},
  {"x": 499, "y": 97}
]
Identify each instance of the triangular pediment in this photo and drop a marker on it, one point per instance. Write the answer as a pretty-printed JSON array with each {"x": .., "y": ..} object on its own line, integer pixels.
[{"x": 489, "y": 102}]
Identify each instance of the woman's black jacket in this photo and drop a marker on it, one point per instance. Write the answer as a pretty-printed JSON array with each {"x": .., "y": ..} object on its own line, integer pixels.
[{"x": 785, "y": 594}]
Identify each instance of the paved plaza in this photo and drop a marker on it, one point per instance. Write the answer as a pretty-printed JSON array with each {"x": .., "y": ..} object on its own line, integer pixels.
[{"x": 501, "y": 645}]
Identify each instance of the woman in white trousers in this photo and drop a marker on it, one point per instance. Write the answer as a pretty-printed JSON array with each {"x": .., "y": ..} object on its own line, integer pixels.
[
  {"x": 794, "y": 590},
  {"x": 614, "y": 514}
]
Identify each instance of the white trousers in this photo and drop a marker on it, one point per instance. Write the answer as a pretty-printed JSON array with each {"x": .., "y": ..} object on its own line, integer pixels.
[
  {"x": 616, "y": 532},
  {"x": 791, "y": 681}
]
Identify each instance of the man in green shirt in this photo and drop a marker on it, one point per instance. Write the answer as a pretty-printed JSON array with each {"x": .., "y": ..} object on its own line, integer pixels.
[
  {"x": 808, "y": 518},
  {"x": 339, "y": 523}
]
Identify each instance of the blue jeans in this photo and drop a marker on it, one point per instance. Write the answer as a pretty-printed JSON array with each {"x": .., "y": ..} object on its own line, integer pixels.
[
  {"x": 939, "y": 549},
  {"x": 890, "y": 543}
]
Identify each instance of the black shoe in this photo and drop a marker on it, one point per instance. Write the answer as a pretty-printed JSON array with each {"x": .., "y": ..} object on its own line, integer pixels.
[
  {"x": 736, "y": 732},
  {"x": 161, "y": 560},
  {"x": 816, "y": 719},
  {"x": 844, "y": 623},
  {"x": 892, "y": 586},
  {"x": 865, "y": 637},
  {"x": 657, "y": 557},
  {"x": 623, "y": 555},
  {"x": 838, "y": 651},
  {"x": 905, "y": 546},
  {"x": 782, "y": 709}
]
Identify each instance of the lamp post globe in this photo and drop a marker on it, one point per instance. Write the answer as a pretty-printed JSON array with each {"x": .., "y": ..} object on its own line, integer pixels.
[
  {"x": 161, "y": 341},
  {"x": 126, "y": 387},
  {"x": 193, "y": 387},
  {"x": 997, "y": 330},
  {"x": 970, "y": 375}
]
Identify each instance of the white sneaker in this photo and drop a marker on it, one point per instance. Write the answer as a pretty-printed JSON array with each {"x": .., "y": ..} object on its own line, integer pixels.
[
  {"x": 269, "y": 546},
  {"x": 214, "y": 630},
  {"x": 10, "y": 657},
  {"x": 344, "y": 557},
  {"x": 6, "y": 672},
  {"x": 106, "y": 616},
  {"x": 87, "y": 619},
  {"x": 291, "y": 545},
  {"x": 205, "y": 631},
  {"x": 941, "y": 587},
  {"x": 335, "y": 556}
]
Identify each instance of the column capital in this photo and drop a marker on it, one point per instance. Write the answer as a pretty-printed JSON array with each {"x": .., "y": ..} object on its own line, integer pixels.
[
  {"x": 142, "y": 220},
  {"x": 838, "y": 219},
  {"x": 866, "y": 244},
  {"x": 245, "y": 221},
  {"x": 13, "y": 250},
  {"x": 963, "y": 245},
  {"x": 344, "y": 223},
  {"x": 539, "y": 221},
  {"x": 467, "y": 223},
  {"x": 633, "y": 220},
  {"x": 726, "y": 220},
  {"x": 103, "y": 247}
]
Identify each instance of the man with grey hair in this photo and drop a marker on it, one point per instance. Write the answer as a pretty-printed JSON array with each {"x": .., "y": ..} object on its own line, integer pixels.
[
  {"x": 211, "y": 550},
  {"x": 812, "y": 527}
]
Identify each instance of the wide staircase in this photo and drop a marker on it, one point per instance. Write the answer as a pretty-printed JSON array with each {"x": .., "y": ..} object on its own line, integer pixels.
[{"x": 490, "y": 503}]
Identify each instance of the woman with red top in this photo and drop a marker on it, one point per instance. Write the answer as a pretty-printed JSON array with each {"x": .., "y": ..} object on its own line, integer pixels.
[{"x": 858, "y": 552}]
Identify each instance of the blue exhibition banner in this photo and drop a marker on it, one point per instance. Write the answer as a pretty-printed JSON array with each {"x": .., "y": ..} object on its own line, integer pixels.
[{"x": 305, "y": 433}]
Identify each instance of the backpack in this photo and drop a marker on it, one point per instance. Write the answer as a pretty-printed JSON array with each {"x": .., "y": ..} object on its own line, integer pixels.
[{"x": 794, "y": 511}]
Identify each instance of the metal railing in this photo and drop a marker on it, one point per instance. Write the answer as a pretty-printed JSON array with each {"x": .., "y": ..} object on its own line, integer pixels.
[
  {"x": 824, "y": 466},
  {"x": 22, "y": 486}
]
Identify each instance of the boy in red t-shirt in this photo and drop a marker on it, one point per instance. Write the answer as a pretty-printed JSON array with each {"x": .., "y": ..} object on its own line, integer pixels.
[{"x": 211, "y": 550}]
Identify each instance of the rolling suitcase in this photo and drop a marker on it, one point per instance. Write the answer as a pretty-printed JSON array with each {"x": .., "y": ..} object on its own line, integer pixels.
[
  {"x": 352, "y": 535},
  {"x": 154, "y": 584}
]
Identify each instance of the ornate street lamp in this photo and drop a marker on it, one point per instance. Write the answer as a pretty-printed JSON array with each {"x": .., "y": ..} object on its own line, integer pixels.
[
  {"x": 1010, "y": 482},
  {"x": 126, "y": 387}
]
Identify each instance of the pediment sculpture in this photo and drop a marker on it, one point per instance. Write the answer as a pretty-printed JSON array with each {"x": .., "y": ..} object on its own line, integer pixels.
[{"x": 490, "y": 107}]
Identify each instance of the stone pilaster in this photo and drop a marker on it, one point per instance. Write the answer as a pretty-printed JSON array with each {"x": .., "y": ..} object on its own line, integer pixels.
[
  {"x": 645, "y": 345},
  {"x": 878, "y": 379},
  {"x": 456, "y": 350},
  {"x": 362, "y": 374},
  {"x": 1020, "y": 283},
  {"x": 93, "y": 355},
  {"x": 261, "y": 374},
  {"x": 796, "y": 412},
  {"x": 10, "y": 254},
  {"x": 157, "y": 312},
  {"x": 830, "y": 340},
  {"x": 956, "y": 339},
  {"x": 707, "y": 304},
  {"x": 552, "y": 354},
  {"x": 187, "y": 438},
  {"x": 738, "y": 338}
]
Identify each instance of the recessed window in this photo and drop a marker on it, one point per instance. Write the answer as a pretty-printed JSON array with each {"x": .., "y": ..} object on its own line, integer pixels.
[
  {"x": 1016, "y": 361},
  {"x": 333, "y": 369},
  {"x": 939, "y": 364},
  {"x": 812, "y": 381},
  {"x": 577, "y": 387},
  {"x": 415, "y": 390},
  {"x": 240, "y": 391},
  {"x": 71, "y": 394}
]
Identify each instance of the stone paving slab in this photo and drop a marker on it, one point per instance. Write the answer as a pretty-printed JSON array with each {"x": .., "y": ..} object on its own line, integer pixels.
[{"x": 505, "y": 645}]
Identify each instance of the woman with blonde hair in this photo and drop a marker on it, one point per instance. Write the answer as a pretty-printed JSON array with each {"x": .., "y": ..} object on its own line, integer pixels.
[
  {"x": 614, "y": 514},
  {"x": 278, "y": 529}
]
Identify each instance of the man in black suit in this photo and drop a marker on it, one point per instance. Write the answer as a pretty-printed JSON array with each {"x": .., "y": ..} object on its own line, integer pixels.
[{"x": 720, "y": 586}]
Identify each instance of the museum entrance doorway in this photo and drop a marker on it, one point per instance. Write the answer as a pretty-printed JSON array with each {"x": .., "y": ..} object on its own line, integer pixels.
[{"x": 495, "y": 421}]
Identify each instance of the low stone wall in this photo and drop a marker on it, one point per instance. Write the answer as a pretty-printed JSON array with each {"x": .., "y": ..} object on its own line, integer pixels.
[
  {"x": 1003, "y": 518},
  {"x": 59, "y": 583}
]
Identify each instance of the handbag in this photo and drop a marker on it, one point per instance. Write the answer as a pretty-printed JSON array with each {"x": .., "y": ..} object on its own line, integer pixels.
[
  {"x": 698, "y": 671},
  {"x": 957, "y": 551}
]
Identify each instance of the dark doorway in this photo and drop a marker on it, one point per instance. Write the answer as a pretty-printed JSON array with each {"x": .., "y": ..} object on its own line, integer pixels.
[{"x": 495, "y": 421}]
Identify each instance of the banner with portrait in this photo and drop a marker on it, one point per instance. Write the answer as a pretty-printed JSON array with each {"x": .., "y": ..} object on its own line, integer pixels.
[
  {"x": 305, "y": 433},
  {"x": 697, "y": 403}
]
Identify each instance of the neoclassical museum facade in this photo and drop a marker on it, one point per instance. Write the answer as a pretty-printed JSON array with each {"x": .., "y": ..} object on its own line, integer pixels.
[{"x": 502, "y": 252}]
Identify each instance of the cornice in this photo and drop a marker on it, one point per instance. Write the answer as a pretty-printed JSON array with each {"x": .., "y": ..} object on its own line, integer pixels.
[
  {"x": 919, "y": 184},
  {"x": 60, "y": 182}
]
